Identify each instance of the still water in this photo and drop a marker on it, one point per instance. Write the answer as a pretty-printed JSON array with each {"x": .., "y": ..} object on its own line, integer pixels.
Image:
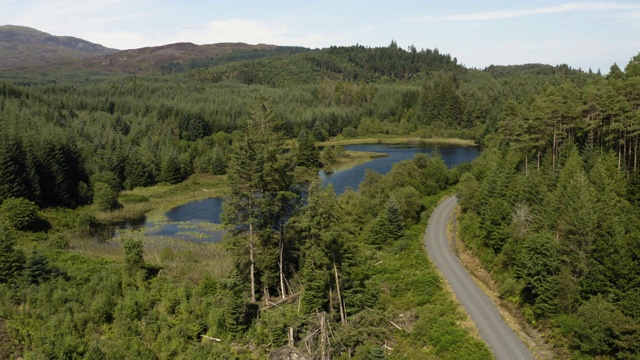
[
  {"x": 207, "y": 210},
  {"x": 194, "y": 221},
  {"x": 451, "y": 155}
]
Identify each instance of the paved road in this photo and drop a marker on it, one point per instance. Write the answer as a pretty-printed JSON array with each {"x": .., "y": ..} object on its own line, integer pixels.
[{"x": 502, "y": 341}]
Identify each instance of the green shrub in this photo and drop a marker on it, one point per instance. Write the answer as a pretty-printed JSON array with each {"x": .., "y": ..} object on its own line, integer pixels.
[
  {"x": 133, "y": 250},
  {"x": 349, "y": 132},
  {"x": 19, "y": 213},
  {"x": 104, "y": 197},
  {"x": 59, "y": 242}
]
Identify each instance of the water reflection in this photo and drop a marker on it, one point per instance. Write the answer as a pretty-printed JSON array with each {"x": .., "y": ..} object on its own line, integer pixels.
[{"x": 102, "y": 232}]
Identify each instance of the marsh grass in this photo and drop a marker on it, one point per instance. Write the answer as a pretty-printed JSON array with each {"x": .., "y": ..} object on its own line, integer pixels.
[
  {"x": 351, "y": 159},
  {"x": 175, "y": 257},
  {"x": 163, "y": 197},
  {"x": 129, "y": 211}
]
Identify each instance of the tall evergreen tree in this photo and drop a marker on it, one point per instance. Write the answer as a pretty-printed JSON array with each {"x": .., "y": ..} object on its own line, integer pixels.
[
  {"x": 14, "y": 181},
  {"x": 262, "y": 194}
]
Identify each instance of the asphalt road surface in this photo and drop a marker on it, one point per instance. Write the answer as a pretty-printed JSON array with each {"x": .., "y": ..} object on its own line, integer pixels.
[{"x": 502, "y": 341}]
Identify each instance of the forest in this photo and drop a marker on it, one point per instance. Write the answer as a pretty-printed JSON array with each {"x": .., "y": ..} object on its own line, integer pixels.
[{"x": 550, "y": 208}]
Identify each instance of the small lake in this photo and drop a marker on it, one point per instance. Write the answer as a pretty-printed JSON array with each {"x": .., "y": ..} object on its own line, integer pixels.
[
  {"x": 341, "y": 180},
  {"x": 197, "y": 221},
  {"x": 192, "y": 221},
  {"x": 207, "y": 210}
]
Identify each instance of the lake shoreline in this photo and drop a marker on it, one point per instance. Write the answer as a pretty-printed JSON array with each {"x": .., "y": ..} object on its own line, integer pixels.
[{"x": 397, "y": 140}]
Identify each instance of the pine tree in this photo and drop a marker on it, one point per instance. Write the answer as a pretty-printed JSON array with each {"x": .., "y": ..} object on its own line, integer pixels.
[
  {"x": 171, "y": 170},
  {"x": 262, "y": 199},
  {"x": 14, "y": 181},
  {"x": 389, "y": 225},
  {"x": 307, "y": 154},
  {"x": 11, "y": 260}
]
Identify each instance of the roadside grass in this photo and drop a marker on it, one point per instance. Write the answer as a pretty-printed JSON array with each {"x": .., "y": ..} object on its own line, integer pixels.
[
  {"x": 508, "y": 309},
  {"x": 430, "y": 323}
]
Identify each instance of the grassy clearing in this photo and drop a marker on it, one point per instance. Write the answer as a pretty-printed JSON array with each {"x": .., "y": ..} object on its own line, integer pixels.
[{"x": 394, "y": 139}]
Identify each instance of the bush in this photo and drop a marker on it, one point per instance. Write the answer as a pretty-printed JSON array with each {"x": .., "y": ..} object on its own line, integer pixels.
[
  {"x": 19, "y": 213},
  {"x": 349, "y": 132},
  {"x": 133, "y": 252},
  {"x": 104, "y": 197}
]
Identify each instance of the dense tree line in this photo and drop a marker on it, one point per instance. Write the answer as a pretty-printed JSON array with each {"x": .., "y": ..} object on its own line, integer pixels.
[{"x": 552, "y": 209}]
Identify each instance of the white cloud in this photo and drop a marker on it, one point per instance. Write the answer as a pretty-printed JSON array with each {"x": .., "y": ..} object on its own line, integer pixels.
[{"x": 509, "y": 14}]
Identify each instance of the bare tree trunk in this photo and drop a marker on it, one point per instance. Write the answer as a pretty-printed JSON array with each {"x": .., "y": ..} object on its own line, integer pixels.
[
  {"x": 283, "y": 290},
  {"x": 553, "y": 157},
  {"x": 635, "y": 155},
  {"x": 323, "y": 336},
  {"x": 291, "y": 336},
  {"x": 252, "y": 262},
  {"x": 619, "y": 157},
  {"x": 343, "y": 318}
]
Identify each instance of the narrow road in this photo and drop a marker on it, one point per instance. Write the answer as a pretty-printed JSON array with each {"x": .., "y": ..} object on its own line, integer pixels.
[{"x": 502, "y": 341}]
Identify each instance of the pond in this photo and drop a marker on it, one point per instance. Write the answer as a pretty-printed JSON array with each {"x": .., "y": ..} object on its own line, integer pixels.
[
  {"x": 192, "y": 221},
  {"x": 198, "y": 220}
]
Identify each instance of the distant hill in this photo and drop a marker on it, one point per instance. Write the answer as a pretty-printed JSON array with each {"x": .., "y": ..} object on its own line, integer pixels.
[
  {"x": 350, "y": 63},
  {"x": 25, "y": 48},
  {"x": 180, "y": 57}
]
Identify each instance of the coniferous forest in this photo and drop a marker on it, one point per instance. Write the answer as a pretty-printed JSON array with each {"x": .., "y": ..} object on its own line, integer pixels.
[{"x": 551, "y": 207}]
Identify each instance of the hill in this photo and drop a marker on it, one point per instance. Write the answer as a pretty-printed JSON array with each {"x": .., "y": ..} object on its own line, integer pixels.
[
  {"x": 23, "y": 48},
  {"x": 26, "y": 49},
  {"x": 178, "y": 57}
]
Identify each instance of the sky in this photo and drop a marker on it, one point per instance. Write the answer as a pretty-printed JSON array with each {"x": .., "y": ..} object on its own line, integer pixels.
[{"x": 582, "y": 34}]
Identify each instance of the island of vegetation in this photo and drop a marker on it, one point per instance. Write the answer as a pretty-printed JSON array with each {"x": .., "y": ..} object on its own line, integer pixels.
[{"x": 550, "y": 208}]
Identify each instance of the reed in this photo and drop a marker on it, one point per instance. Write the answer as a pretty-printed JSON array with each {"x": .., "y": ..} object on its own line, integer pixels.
[
  {"x": 129, "y": 211},
  {"x": 180, "y": 259}
]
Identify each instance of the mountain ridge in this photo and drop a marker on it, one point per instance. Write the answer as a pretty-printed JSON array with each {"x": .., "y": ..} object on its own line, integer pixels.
[
  {"x": 27, "y": 49},
  {"x": 23, "y": 47}
]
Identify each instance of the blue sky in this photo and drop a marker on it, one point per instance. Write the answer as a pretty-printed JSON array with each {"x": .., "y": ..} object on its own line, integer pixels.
[{"x": 582, "y": 34}]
